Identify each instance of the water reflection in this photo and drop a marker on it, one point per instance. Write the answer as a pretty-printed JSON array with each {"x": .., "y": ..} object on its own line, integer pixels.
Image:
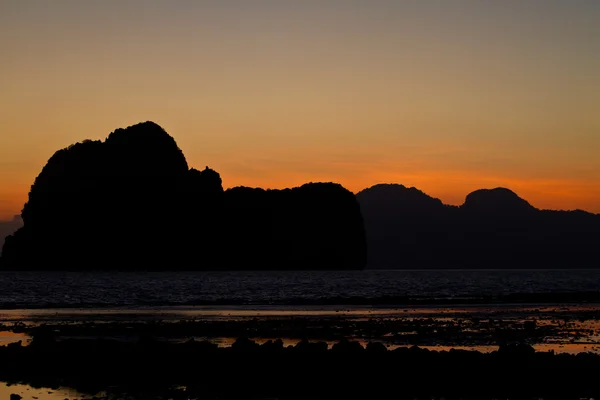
[
  {"x": 170, "y": 313},
  {"x": 561, "y": 328},
  {"x": 571, "y": 348},
  {"x": 27, "y": 392},
  {"x": 7, "y": 337}
]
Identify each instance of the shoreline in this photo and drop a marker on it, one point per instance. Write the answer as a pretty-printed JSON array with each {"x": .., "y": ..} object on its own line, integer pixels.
[
  {"x": 558, "y": 327},
  {"x": 307, "y": 309},
  {"x": 515, "y": 299}
]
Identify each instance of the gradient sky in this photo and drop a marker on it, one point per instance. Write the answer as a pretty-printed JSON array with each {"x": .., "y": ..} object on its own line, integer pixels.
[{"x": 448, "y": 96}]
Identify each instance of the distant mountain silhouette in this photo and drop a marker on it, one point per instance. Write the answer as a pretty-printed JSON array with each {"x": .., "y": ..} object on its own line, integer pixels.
[
  {"x": 9, "y": 227},
  {"x": 132, "y": 203},
  {"x": 498, "y": 201},
  {"x": 494, "y": 228}
]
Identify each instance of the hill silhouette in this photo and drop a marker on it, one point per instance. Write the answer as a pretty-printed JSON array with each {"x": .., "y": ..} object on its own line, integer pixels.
[
  {"x": 315, "y": 224},
  {"x": 9, "y": 227},
  {"x": 131, "y": 202},
  {"x": 498, "y": 201},
  {"x": 494, "y": 228}
]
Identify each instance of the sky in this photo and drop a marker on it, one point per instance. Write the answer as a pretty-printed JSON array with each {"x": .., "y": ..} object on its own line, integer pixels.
[{"x": 445, "y": 95}]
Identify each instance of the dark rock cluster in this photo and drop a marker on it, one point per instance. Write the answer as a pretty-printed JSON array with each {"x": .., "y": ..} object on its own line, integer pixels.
[
  {"x": 148, "y": 368},
  {"x": 494, "y": 228},
  {"x": 131, "y": 202}
]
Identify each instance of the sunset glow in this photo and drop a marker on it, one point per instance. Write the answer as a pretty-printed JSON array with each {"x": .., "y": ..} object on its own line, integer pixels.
[{"x": 446, "y": 96}]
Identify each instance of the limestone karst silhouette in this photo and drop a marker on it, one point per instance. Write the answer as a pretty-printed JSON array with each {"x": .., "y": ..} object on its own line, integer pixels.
[
  {"x": 494, "y": 228},
  {"x": 498, "y": 201},
  {"x": 132, "y": 203},
  {"x": 9, "y": 227}
]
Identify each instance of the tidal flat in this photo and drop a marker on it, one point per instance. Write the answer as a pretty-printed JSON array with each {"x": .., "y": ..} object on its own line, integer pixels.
[
  {"x": 528, "y": 351},
  {"x": 572, "y": 328}
]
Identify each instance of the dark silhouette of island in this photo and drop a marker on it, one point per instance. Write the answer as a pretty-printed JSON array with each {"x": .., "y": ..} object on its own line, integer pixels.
[
  {"x": 131, "y": 202},
  {"x": 494, "y": 228},
  {"x": 9, "y": 227}
]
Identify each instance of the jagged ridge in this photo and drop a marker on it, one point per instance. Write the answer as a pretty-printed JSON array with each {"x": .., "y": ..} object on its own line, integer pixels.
[
  {"x": 493, "y": 228},
  {"x": 132, "y": 203}
]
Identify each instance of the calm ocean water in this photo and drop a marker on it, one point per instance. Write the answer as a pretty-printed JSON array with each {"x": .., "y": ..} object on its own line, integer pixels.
[{"x": 69, "y": 289}]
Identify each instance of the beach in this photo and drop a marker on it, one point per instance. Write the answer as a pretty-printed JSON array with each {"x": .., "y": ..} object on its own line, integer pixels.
[{"x": 570, "y": 328}]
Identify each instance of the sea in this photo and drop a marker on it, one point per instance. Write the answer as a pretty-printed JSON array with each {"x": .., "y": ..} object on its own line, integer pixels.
[
  {"x": 59, "y": 298},
  {"x": 38, "y": 290}
]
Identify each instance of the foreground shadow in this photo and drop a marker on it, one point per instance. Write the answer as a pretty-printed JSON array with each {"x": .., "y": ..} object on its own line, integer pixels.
[{"x": 346, "y": 370}]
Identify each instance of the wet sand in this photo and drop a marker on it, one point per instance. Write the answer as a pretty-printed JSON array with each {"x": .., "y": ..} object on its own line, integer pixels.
[
  {"x": 28, "y": 392},
  {"x": 562, "y": 328}
]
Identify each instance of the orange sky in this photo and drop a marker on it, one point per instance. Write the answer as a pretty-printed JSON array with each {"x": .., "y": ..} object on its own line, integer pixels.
[{"x": 445, "y": 96}]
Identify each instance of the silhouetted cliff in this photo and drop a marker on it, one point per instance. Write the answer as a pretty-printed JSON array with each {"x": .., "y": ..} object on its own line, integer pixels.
[
  {"x": 9, "y": 227},
  {"x": 131, "y": 203},
  {"x": 317, "y": 224},
  {"x": 493, "y": 229}
]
